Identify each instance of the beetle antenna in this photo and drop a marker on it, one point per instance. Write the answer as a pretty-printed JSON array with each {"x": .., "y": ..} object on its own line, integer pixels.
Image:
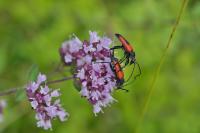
[
  {"x": 131, "y": 73},
  {"x": 140, "y": 71}
]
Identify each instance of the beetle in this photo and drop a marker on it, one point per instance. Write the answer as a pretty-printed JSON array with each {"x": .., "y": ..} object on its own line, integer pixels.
[
  {"x": 118, "y": 71},
  {"x": 129, "y": 53}
]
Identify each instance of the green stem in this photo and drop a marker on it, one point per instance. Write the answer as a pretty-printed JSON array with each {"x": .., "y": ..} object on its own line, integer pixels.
[
  {"x": 156, "y": 74},
  {"x": 14, "y": 90}
]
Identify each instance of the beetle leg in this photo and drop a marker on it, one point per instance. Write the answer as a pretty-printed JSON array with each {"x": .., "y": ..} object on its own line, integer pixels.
[
  {"x": 116, "y": 47},
  {"x": 120, "y": 88},
  {"x": 123, "y": 59},
  {"x": 131, "y": 74},
  {"x": 127, "y": 61},
  {"x": 140, "y": 71},
  {"x": 102, "y": 62}
]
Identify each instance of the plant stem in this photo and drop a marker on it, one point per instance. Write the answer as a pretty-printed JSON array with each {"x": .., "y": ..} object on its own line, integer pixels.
[
  {"x": 8, "y": 92},
  {"x": 14, "y": 90},
  {"x": 156, "y": 74},
  {"x": 59, "y": 80}
]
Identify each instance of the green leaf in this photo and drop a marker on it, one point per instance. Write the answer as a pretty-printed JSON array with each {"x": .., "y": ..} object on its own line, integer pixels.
[
  {"x": 77, "y": 85},
  {"x": 20, "y": 94},
  {"x": 33, "y": 73},
  {"x": 32, "y": 76}
]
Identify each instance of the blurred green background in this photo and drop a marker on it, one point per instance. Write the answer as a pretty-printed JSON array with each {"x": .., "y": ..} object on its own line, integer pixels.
[{"x": 31, "y": 31}]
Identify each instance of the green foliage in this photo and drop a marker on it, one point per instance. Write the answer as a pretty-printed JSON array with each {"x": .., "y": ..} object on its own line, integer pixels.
[
  {"x": 20, "y": 95},
  {"x": 32, "y": 31},
  {"x": 33, "y": 73},
  {"x": 32, "y": 76}
]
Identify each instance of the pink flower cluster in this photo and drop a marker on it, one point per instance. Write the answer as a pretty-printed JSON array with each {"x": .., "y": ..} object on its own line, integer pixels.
[
  {"x": 2, "y": 106},
  {"x": 45, "y": 102},
  {"x": 97, "y": 80}
]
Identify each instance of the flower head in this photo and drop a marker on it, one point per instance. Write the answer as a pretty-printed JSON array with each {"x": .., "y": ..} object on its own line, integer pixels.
[
  {"x": 97, "y": 80},
  {"x": 45, "y": 102},
  {"x": 2, "y": 106}
]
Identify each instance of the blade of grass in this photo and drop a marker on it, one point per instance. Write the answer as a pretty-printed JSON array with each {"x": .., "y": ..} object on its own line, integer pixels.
[{"x": 162, "y": 59}]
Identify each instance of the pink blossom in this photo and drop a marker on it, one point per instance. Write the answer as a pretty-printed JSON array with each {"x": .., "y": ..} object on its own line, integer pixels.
[
  {"x": 2, "y": 106},
  {"x": 97, "y": 80},
  {"x": 45, "y": 102}
]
